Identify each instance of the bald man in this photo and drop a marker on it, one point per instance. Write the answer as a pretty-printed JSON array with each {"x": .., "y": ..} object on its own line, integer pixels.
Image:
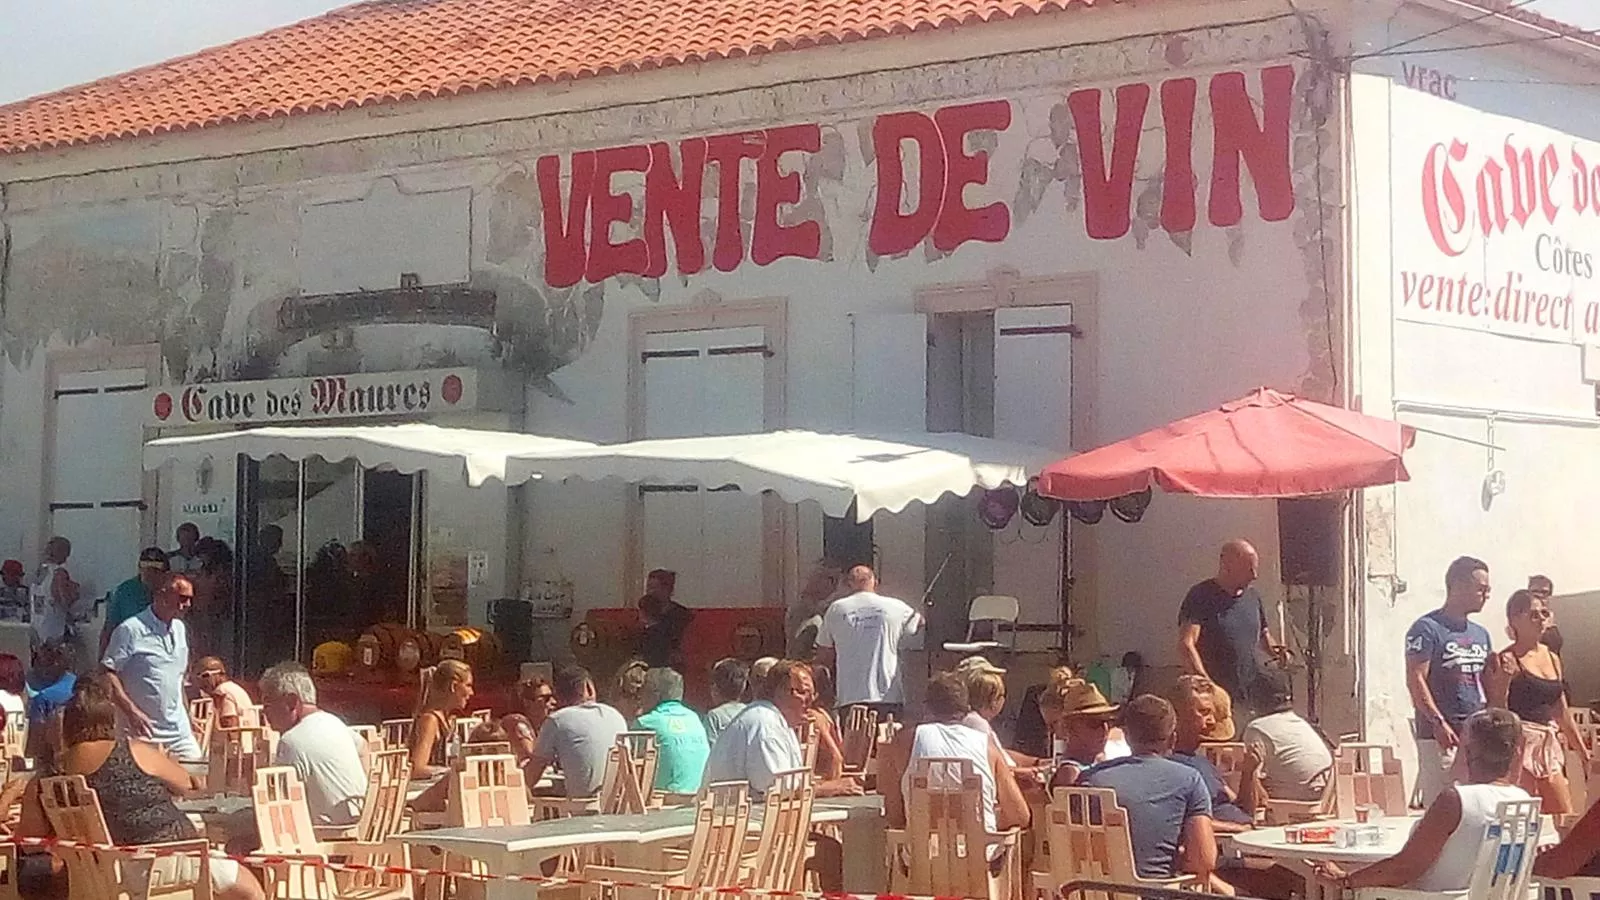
[
  {"x": 1222, "y": 626},
  {"x": 860, "y": 641}
]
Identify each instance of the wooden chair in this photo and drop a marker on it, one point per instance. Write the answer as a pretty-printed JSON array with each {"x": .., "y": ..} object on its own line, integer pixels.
[
  {"x": 809, "y": 738},
  {"x": 73, "y": 810},
  {"x": 1089, "y": 840},
  {"x": 1294, "y": 812},
  {"x": 629, "y": 786},
  {"x": 858, "y": 735},
  {"x": 945, "y": 848},
  {"x": 8, "y": 872},
  {"x": 465, "y": 726},
  {"x": 1583, "y": 715},
  {"x": 1505, "y": 859},
  {"x": 1228, "y": 758},
  {"x": 202, "y": 717},
  {"x": 1367, "y": 775},
  {"x": 286, "y": 832},
  {"x": 383, "y": 809},
  {"x": 716, "y": 852},
  {"x": 489, "y": 790},
  {"x": 236, "y": 754},
  {"x": 396, "y": 733},
  {"x": 367, "y": 741},
  {"x": 482, "y": 715},
  {"x": 779, "y": 860}
]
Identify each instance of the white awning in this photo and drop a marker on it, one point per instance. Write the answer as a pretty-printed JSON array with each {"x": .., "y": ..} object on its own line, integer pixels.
[
  {"x": 834, "y": 470},
  {"x": 454, "y": 453}
]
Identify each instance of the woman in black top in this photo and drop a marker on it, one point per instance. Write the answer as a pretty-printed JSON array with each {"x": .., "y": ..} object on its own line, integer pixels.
[
  {"x": 135, "y": 781},
  {"x": 1526, "y": 678}
]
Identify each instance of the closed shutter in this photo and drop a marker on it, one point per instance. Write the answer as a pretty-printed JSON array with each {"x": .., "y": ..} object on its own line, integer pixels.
[{"x": 96, "y": 479}]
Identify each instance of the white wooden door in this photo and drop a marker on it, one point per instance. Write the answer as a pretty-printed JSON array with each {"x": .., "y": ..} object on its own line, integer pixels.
[
  {"x": 96, "y": 480},
  {"x": 699, "y": 383},
  {"x": 1032, "y": 405}
]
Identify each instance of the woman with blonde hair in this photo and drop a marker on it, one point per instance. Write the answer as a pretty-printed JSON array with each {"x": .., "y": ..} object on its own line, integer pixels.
[
  {"x": 627, "y": 689},
  {"x": 449, "y": 690}
]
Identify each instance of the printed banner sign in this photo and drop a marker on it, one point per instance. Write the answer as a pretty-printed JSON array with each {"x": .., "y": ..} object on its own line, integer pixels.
[
  {"x": 1494, "y": 223},
  {"x": 327, "y": 397}
]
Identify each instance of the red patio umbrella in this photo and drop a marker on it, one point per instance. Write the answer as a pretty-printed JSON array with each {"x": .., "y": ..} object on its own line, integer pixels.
[{"x": 1266, "y": 444}]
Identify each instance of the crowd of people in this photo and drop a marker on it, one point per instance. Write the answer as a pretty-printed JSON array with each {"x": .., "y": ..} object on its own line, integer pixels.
[{"x": 1490, "y": 725}]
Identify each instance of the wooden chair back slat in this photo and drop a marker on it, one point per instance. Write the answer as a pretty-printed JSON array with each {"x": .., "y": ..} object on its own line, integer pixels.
[
  {"x": 945, "y": 829},
  {"x": 236, "y": 754},
  {"x": 283, "y": 818},
  {"x": 487, "y": 791},
  {"x": 779, "y": 862},
  {"x": 396, "y": 733},
  {"x": 858, "y": 733},
  {"x": 202, "y": 718},
  {"x": 721, "y": 824},
  {"x": 384, "y": 807},
  {"x": 1367, "y": 775}
]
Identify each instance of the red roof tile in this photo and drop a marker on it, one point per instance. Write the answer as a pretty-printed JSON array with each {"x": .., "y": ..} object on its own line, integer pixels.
[{"x": 387, "y": 51}]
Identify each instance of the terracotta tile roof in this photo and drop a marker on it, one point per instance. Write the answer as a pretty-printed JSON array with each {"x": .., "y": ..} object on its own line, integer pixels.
[{"x": 396, "y": 50}]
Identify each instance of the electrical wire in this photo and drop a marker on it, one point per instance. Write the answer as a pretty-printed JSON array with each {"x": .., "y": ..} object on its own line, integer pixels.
[{"x": 1486, "y": 14}]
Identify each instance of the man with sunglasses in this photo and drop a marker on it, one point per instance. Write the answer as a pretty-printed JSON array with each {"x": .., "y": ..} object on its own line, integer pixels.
[
  {"x": 148, "y": 657},
  {"x": 1446, "y": 654},
  {"x": 133, "y": 596}
]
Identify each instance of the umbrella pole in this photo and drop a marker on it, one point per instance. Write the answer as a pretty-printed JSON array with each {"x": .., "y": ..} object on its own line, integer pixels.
[{"x": 1066, "y": 587}]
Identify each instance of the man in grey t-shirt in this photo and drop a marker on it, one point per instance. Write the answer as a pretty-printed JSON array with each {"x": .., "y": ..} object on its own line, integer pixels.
[{"x": 577, "y": 737}]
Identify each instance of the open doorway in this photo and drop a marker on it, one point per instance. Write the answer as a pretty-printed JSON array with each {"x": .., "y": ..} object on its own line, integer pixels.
[{"x": 333, "y": 550}]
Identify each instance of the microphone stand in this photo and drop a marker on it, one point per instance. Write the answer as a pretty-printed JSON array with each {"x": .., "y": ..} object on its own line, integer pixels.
[{"x": 927, "y": 604}]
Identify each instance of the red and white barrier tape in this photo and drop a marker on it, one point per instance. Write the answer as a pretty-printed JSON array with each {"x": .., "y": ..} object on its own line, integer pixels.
[{"x": 270, "y": 861}]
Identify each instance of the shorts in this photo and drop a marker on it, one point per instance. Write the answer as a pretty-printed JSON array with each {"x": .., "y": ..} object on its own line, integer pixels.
[
  {"x": 182, "y": 869},
  {"x": 1542, "y": 754}
]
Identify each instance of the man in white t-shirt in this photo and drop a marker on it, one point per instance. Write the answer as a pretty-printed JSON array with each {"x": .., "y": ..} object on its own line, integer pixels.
[
  {"x": 322, "y": 749},
  {"x": 860, "y": 640},
  {"x": 1290, "y": 755}
]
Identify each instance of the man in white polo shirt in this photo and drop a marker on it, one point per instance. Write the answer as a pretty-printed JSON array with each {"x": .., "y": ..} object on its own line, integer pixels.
[
  {"x": 148, "y": 657},
  {"x": 860, "y": 641}
]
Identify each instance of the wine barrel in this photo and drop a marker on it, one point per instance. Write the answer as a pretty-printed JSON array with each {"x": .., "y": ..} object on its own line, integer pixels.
[
  {"x": 432, "y": 643},
  {"x": 388, "y": 635},
  {"x": 477, "y": 647}
]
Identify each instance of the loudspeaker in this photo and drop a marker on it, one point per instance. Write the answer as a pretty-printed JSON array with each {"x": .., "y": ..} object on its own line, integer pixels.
[{"x": 1308, "y": 541}]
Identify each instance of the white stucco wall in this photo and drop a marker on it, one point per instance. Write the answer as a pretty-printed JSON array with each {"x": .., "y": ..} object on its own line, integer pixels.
[
  {"x": 1180, "y": 322},
  {"x": 1518, "y": 385}
]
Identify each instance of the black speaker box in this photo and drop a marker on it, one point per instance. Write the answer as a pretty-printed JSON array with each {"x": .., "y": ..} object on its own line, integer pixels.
[{"x": 1308, "y": 541}]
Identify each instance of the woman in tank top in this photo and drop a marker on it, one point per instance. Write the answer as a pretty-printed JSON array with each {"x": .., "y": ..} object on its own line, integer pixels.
[
  {"x": 941, "y": 735},
  {"x": 1526, "y": 678},
  {"x": 135, "y": 784}
]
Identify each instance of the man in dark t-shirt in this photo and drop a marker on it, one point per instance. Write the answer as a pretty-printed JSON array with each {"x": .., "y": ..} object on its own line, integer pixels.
[
  {"x": 1222, "y": 627},
  {"x": 1446, "y": 654}
]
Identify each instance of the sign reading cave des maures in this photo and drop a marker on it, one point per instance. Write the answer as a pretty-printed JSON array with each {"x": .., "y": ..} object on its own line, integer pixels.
[
  {"x": 1494, "y": 223},
  {"x": 581, "y": 203},
  {"x": 369, "y": 396}
]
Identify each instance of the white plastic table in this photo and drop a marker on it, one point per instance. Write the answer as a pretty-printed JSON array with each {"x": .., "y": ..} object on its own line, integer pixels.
[
  {"x": 521, "y": 849},
  {"x": 1273, "y": 843}
]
